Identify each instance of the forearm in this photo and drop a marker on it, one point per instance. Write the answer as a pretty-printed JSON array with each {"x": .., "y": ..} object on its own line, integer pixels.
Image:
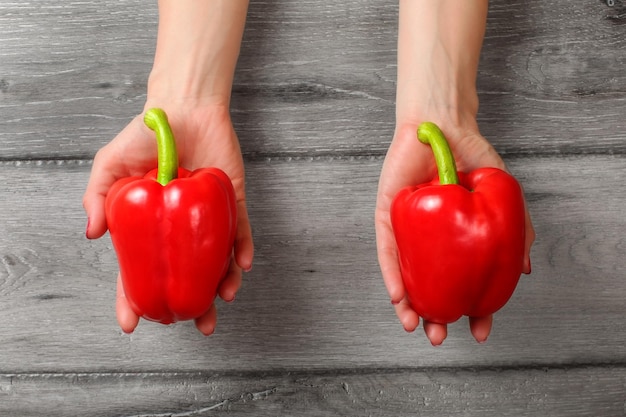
[
  {"x": 197, "y": 48},
  {"x": 439, "y": 43}
]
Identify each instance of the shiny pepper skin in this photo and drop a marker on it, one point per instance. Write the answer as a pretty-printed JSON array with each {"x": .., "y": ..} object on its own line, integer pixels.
[
  {"x": 174, "y": 241},
  {"x": 460, "y": 243}
]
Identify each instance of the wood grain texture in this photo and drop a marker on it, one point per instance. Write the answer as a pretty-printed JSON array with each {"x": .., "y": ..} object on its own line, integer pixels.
[
  {"x": 71, "y": 73},
  {"x": 551, "y": 77},
  {"x": 574, "y": 392},
  {"x": 312, "y": 331},
  {"x": 315, "y": 298},
  {"x": 313, "y": 78}
]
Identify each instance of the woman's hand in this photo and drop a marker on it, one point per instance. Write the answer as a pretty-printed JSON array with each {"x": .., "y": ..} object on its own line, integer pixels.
[
  {"x": 409, "y": 162},
  {"x": 439, "y": 46},
  {"x": 204, "y": 138}
]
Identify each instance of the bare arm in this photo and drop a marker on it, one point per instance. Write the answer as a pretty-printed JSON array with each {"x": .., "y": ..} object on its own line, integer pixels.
[
  {"x": 439, "y": 43},
  {"x": 198, "y": 45},
  {"x": 197, "y": 49}
]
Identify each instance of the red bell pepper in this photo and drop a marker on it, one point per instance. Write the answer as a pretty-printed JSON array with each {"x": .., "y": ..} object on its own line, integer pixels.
[
  {"x": 173, "y": 231},
  {"x": 460, "y": 237}
]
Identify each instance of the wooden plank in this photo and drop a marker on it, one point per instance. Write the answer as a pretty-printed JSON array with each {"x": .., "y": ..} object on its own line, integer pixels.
[
  {"x": 314, "y": 78},
  {"x": 72, "y": 73},
  {"x": 555, "y": 392},
  {"x": 312, "y": 331},
  {"x": 315, "y": 298},
  {"x": 551, "y": 77}
]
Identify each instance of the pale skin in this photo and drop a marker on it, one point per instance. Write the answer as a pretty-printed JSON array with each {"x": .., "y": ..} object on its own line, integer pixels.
[
  {"x": 198, "y": 44},
  {"x": 197, "y": 49},
  {"x": 439, "y": 43}
]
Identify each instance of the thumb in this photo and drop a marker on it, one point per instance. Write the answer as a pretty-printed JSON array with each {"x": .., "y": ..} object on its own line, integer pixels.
[
  {"x": 93, "y": 203},
  {"x": 111, "y": 163},
  {"x": 104, "y": 173},
  {"x": 94, "y": 199}
]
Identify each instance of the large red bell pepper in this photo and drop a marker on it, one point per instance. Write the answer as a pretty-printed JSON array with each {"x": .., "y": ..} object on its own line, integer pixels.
[
  {"x": 173, "y": 231},
  {"x": 460, "y": 237}
]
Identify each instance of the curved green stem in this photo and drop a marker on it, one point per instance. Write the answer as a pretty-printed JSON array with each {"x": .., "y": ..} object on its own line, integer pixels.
[
  {"x": 156, "y": 120},
  {"x": 430, "y": 134}
]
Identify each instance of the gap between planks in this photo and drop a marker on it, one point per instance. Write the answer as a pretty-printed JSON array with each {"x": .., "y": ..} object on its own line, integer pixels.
[{"x": 336, "y": 372}]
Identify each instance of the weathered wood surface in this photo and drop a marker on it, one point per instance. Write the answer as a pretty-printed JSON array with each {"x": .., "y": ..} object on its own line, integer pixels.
[
  {"x": 314, "y": 77},
  {"x": 312, "y": 331},
  {"x": 378, "y": 393},
  {"x": 314, "y": 299}
]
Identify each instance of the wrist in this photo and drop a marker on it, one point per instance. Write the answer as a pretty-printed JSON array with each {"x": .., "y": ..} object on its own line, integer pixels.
[
  {"x": 181, "y": 85},
  {"x": 418, "y": 104},
  {"x": 197, "y": 49},
  {"x": 457, "y": 122},
  {"x": 438, "y": 53},
  {"x": 442, "y": 105}
]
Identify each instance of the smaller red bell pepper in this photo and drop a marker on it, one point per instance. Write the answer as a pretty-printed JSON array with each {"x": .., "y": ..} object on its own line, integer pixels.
[
  {"x": 460, "y": 237},
  {"x": 173, "y": 231}
]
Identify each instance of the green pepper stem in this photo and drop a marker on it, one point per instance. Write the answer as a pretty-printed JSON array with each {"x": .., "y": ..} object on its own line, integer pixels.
[
  {"x": 167, "y": 168},
  {"x": 430, "y": 134}
]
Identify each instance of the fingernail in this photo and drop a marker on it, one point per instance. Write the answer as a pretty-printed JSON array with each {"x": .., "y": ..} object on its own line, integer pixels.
[
  {"x": 528, "y": 267},
  {"x": 248, "y": 269},
  {"x": 209, "y": 332},
  {"x": 87, "y": 228},
  {"x": 394, "y": 302}
]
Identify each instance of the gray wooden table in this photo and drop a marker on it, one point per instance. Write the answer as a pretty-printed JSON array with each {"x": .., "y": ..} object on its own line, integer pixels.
[{"x": 312, "y": 331}]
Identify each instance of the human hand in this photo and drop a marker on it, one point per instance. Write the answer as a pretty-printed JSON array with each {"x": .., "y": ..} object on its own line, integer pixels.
[
  {"x": 409, "y": 162},
  {"x": 204, "y": 137}
]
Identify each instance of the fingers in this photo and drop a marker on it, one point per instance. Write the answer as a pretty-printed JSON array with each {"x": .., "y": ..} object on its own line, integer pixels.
[
  {"x": 231, "y": 283},
  {"x": 206, "y": 323},
  {"x": 128, "y": 320},
  {"x": 244, "y": 246},
  {"x": 530, "y": 239},
  {"x": 227, "y": 291},
  {"x": 126, "y": 317},
  {"x": 481, "y": 327},
  {"x": 391, "y": 274},
  {"x": 388, "y": 260},
  {"x": 407, "y": 316},
  {"x": 95, "y": 195},
  {"x": 435, "y": 332},
  {"x": 129, "y": 153}
]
